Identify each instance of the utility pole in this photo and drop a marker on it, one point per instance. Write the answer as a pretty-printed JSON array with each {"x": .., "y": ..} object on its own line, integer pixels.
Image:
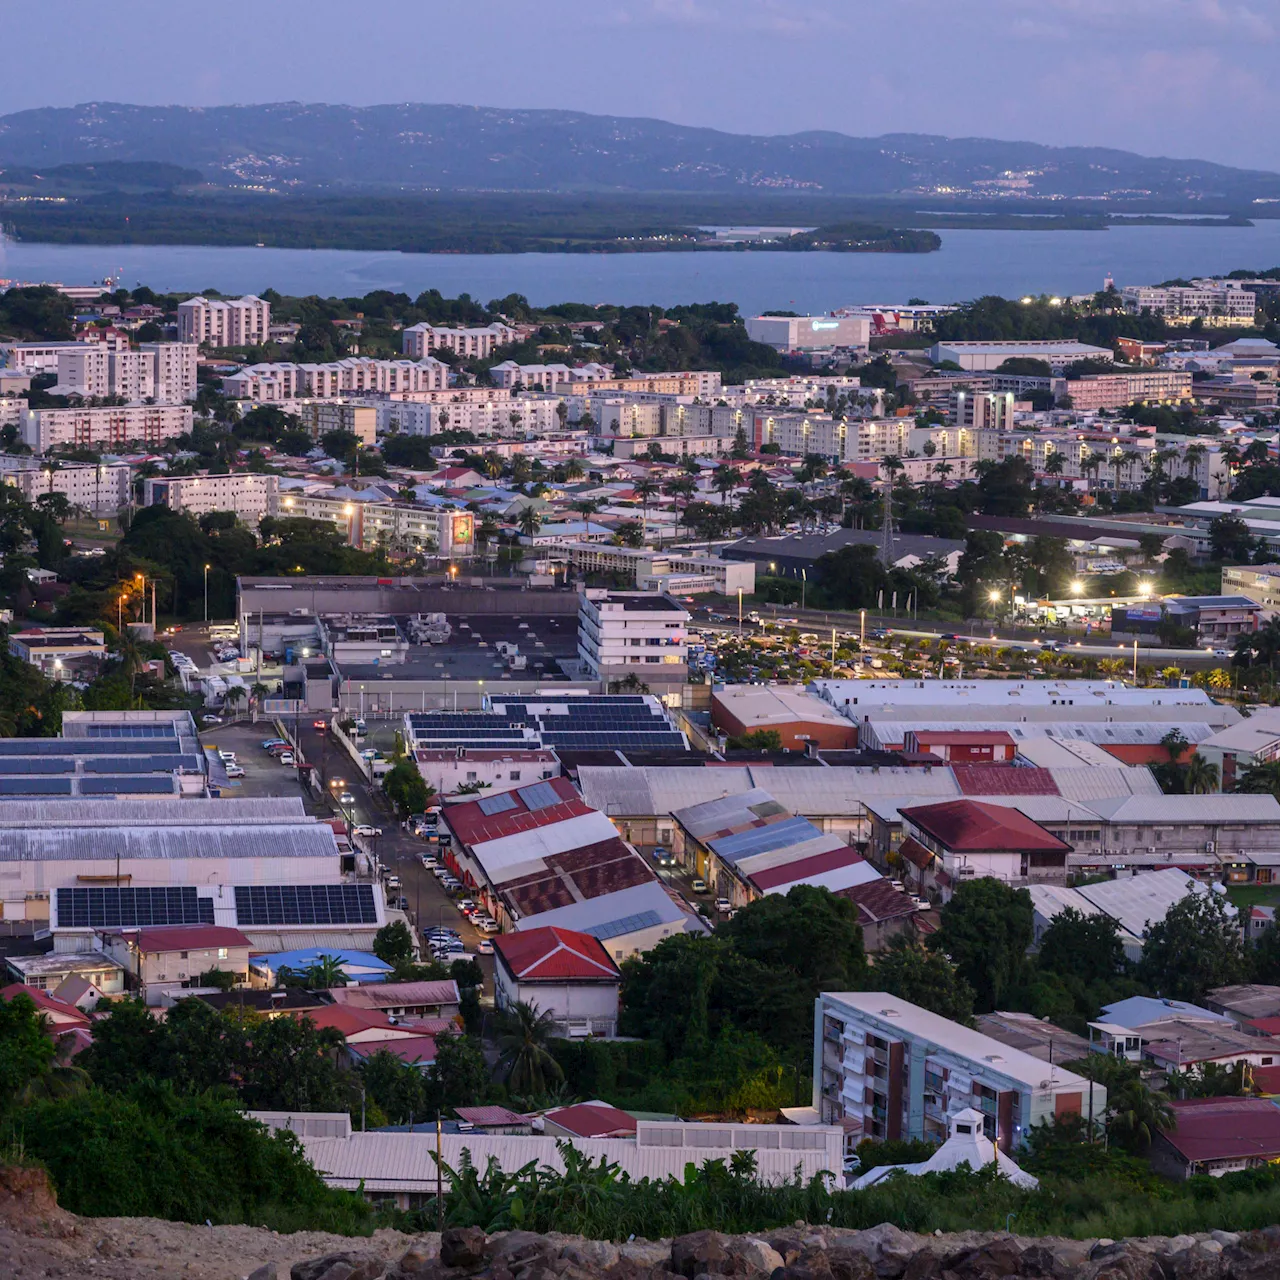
[{"x": 886, "y": 529}]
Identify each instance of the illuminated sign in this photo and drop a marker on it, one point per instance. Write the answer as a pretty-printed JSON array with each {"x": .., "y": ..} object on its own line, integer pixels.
[{"x": 824, "y": 324}]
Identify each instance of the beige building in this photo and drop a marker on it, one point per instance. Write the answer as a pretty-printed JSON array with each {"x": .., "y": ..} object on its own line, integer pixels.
[
  {"x": 247, "y": 494},
  {"x": 160, "y": 961},
  {"x": 658, "y": 570},
  {"x": 112, "y": 429},
  {"x": 477, "y": 344},
  {"x": 224, "y": 322},
  {"x": 337, "y": 379},
  {"x": 98, "y": 488},
  {"x": 175, "y": 370},
  {"x": 319, "y": 417}
]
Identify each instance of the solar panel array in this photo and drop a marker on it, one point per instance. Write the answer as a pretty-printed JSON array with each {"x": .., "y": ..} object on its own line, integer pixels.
[
  {"x": 497, "y": 804},
  {"x": 275, "y": 904},
  {"x": 119, "y": 786},
  {"x": 130, "y": 731},
  {"x": 597, "y": 722},
  {"x": 628, "y": 924},
  {"x": 109, "y": 906},
  {"x": 82, "y": 747},
  {"x": 542, "y": 795},
  {"x": 26, "y": 785},
  {"x": 469, "y": 728}
]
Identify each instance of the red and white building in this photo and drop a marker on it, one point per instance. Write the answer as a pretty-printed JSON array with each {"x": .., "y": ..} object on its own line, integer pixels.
[
  {"x": 562, "y": 972},
  {"x": 962, "y": 747}
]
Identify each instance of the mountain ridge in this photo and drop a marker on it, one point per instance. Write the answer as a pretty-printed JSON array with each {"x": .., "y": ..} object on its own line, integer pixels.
[{"x": 456, "y": 147}]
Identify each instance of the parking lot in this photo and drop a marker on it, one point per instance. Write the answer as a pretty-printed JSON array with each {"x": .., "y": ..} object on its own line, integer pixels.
[{"x": 264, "y": 775}]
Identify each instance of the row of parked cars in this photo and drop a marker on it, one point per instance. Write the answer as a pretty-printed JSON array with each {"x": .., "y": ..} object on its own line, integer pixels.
[{"x": 282, "y": 750}]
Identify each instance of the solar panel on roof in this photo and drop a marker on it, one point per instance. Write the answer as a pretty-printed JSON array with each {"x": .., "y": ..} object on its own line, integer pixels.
[
  {"x": 43, "y": 764},
  {"x": 108, "y": 906},
  {"x": 541, "y": 795},
  {"x": 275, "y": 904},
  {"x": 497, "y": 804},
  {"x": 627, "y": 924},
  {"x": 27, "y": 785},
  {"x": 118, "y": 785}
]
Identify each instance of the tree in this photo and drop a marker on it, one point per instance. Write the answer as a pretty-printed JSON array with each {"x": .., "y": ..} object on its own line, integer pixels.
[
  {"x": 26, "y": 1052},
  {"x": 757, "y": 740},
  {"x": 394, "y": 943},
  {"x": 1202, "y": 776},
  {"x": 1230, "y": 539},
  {"x": 1197, "y": 946},
  {"x": 405, "y": 787},
  {"x": 1135, "y": 1114},
  {"x": 1084, "y": 947},
  {"x": 985, "y": 931},
  {"x": 927, "y": 978},
  {"x": 530, "y": 520},
  {"x": 524, "y": 1060},
  {"x": 458, "y": 1077},
  {"x": 1260, "y": 780}
]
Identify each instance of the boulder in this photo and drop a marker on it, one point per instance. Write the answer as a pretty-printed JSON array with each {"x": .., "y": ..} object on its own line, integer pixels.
[
  {"x": 599, "y": 1255},
  {"x": 996, "y": 1258},
  {"x": 887, "y": 1248},
  {"x": 753, "y": 1257},
  {"x": 518, "y": 1248},
  {"x": 700, "y": 1253},
  {"x": 341, "y": 1266},
  {"x": 1200, "y": 1262},
  {"x": 461, "y": 1247},
  {"x": 271, "y": 1271},
  {"x": 1055, "y": 1259}
]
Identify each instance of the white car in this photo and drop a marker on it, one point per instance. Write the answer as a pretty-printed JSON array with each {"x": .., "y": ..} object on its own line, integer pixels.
[
  {"x": 484, "y": 947},
  {"x": 364, "y": 830},
  {"x": 487, "y": 926},
  {"x": 346, "y": 798},
  {"x": 286, "y": 757},
  {"x": 234, "y": 770}
]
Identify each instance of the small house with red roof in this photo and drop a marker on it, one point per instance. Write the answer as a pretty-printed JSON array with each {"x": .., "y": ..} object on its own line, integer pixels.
[
  {"x": 588, "y": 1120},
  {"x": 161, "y": 960},
  {"x": 1217, "y": 1135},
  {"x": 567, "y": 974},
  {"x": 945, "y": 844}
]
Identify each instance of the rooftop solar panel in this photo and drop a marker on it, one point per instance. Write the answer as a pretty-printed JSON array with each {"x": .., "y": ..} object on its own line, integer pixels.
[
  {"x": 542, "y": 795},
  {"x": 275, "y": 904},
  {"x": 132, "y": 785},
  {"x": 497, "y": 804},
  {"x": 627, "y": 924},
  {"x": 109, "y": 906},
  {"x": 27, "y": 785}
]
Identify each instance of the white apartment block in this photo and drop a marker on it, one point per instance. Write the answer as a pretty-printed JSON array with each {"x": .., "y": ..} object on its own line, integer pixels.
[
  {"x": 248, "y": 495},
  {"x": 1214, "y": 303},
  {"x": 847, "y": 440},
  {"x": 174, "y": 370},
  {"x": 512, "y": 417},
  {"x": 132, "y": 375},
  {"x": 547, "y": 377},
  {"x": 900, "y": 1071},
  {"x": 400, "y": 527},
  {"x": 627, "y": 418},
  {"x": 795, "y": 391},
  {"x": 1119, "y": 390},
  {"x": 478, "y": 344},
  {"x": 84, "y": 369},
  {"x": 231, "y": 322},
  {"x": 42, "y": 357},
  {"x": 356, "y": 375},
  {"x": 112, "y": 429},
  {"x": 358, "y": 417},
  {"x": 640, "y": 633},
  {"x": 981, "y": 410},
  {"x": 101, "y": 489}
]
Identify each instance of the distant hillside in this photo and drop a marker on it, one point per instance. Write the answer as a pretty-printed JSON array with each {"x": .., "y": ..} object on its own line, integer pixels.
[{"x": 291, "y": 146}]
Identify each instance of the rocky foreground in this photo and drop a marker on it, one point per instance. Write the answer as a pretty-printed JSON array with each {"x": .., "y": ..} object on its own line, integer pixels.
[{"x": 802, "y": 1253}]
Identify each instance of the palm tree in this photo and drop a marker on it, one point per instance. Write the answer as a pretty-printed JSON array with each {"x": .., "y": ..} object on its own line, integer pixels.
[
  {"x": 1053, "y": 463},
  {"x": 326, "y": 973},
  {"x": 1202, "y": 776},
  {"x": 725, "y": 479},
  {"x": 573, "y": 470},
  {"x": 1135, "y": 1114},
  {"x": 236, "y": 693},
  {"x": 644, "y": 490},
  {"x": 530, "y": 520},
  {"x": 258, "y": 691},
  {"x": 523, "y": 1056},
  {"x": 1219, "y": 680},
  {"x": 487, "y": 530}
]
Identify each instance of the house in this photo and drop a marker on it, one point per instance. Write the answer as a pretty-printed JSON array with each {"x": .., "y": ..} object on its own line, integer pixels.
[
  {"x": 492, "y": 1120},
  {"x": 588, "y": 1120},
  {"x": 956, "y": 840},
  {"x": 966, "y": 1146},
  {"x": 436, "y": 1000},
  {"x": 1245, "y": 1002},
  {"x": 276, "y": 1003},
  {"x": 366, "y": 1033},
  {"x": 1123, "y": 1028},
  {"x": 1217, "y": 1135},
  {"x": 1183, "y": 1046},
  {"x": 161, "y": 960},
  {"x": 883, "y": 912},
  {"x": 60, "y": 1015},
  {"x": 566, "y": 974},
  {"x": 1036, "y": 1036},
  {"x": 958, "y": 746},
  {"x": 49, "y": 971}
]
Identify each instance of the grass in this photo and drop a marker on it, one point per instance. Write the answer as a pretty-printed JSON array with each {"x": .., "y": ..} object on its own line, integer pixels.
[{"x": 1254, "y": 895}]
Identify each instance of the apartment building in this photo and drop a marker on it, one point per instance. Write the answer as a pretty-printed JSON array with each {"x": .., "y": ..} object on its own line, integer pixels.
[
  {"x": 980, "y": 410},
  {"x": 399, "y": 527},
  {"x": 1118, "y": 390},
  {"x": 174, "y": 371},
  {"x": 634, "y": 633},
  {"x": 248, "y": 495},
  {"x": 321, "y": 416},
  {"x": 224, "y": 322},
  {"x": 900, "y": 1071},
  {"x": 84, "y": 369},
  {"x": 355, "y": 375},
  {"x": 627, "y": 418},
  {"x": 42, "y": 357},
  {"x": 1214, "y": 302},
  {"x": 474, "y": 344},
  {"x": 703, "y": 383},
  {"x": 99, "y": 488},
  {"x": 104, "y": 428},
  {"x": 545, "y": 377}
]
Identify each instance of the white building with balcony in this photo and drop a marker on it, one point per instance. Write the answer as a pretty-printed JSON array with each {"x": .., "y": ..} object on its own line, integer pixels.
[
  {"x": 224, "y": 322},
  {"x": 421, "y": 340},
  {"x": 641, "y": 634}
]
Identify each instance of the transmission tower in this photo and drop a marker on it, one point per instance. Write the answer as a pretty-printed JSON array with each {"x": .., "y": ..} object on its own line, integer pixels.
[{"x": 887, "y": 556}]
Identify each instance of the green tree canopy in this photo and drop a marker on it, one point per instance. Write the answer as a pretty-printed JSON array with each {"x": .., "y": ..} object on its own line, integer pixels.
[
  {"x": 911, "y": 972},
  {"x": 1196, "y": 947},
  {"x": 985, "y": 931}
]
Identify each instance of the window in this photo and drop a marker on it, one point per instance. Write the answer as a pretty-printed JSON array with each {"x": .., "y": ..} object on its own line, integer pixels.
[
  {"x": 222, "y": 953},
  {"x": 182, "y": 955},
  {"x": 515, "y": 775}
]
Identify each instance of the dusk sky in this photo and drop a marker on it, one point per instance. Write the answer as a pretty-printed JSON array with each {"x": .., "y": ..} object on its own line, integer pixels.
[{"x": 1162, "y": 77}]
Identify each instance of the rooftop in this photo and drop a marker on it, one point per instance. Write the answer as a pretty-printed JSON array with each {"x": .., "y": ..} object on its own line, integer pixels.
[
  {"x": 1247, "y": 1001},
  {"x": 1225, "y": 1128},
  {"x": 552, "y": 955},
  {"x": 195, "y": 937},
  {"x": 593, "y": 1120},
  {"x": 976, "y": 826}
]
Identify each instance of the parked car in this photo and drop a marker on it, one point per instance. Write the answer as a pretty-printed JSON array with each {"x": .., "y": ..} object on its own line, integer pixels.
[
  {"x": 698, "y": 885},
  {"x": 227, "y": 757},
  {"x": 286, "y": 757},
  {"x": 365, "y": 830},
  {"x": 402, "y": 904},
  {"x": 267, "y": 743},
  {"x": 393, "y": 882},
  {"x": 486, "y": 925},
  {"x": 484, "y": 947},
  {"x": 234, "y": 770},
  {"x": 724, "y": 905},
  {"x": 429, "y": 861},
  {"x": 210, "y": 719}
]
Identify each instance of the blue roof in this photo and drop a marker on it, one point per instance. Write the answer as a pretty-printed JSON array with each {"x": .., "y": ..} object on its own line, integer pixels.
[
  {"x": 763, "y": 839},
  {"x": 307, "y": 957},
  {"x": 1138, "y": 1011}
]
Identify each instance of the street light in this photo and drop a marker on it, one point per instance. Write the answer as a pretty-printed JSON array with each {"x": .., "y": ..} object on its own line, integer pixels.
[
  {"x": 1077, "y": 588},
  {"x": 206, "y": 595}
]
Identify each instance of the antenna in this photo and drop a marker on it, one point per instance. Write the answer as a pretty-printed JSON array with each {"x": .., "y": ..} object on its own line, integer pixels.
[{"x": 886, "y": 528}]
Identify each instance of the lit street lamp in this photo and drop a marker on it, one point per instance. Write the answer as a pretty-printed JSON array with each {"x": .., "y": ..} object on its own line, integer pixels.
[{"x": 206, "y": 594}]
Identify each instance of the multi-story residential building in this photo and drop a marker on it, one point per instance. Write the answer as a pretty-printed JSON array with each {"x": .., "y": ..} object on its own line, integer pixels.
[
  {"x": 681, "y": 419},
  {"x": 224, "y": 322},
  {"x": 627, "y": 418},
  {"x": 811, "y": 333},
  {"x": 1097, "y": 391},
  {"x": 986, "y": 357},
  {"x": 703, "y": 383},
  {"x": 84, "y": 369},
  {"x": 353, "y": 376},
  {"x": 634, "y": 633},
  {"x": 98, "y": 488},
  {"x": 682, "y": 572},
  {"x": 1215, "y": 302},
  {"x": 321, "y": 416},
  {"x": 980, "y": 410},
  {"x": 546, "y": 377},
  {"x": 901, "y": 1071},
  {"x": 42, "y": 357},
  {"x": 397, "y": 526},
  {"x": 132, "y": 375},
  {"x": 249, "y": 495},
  {"x": 796, "y": 390},
  {"x": 175, "y": 370},
  {"x": 477, "y": 344},
  {"x": 105, "y": 428}
]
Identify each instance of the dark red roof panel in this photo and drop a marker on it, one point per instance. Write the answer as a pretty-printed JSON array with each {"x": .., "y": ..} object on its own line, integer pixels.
[
  {"x": 787, "y": 872},
  {"x": 1225, "y": 1128},
  {"x": 1003, "y": 780},
  {"x": 973, "y": 826},
  {"x": 554, "y": 954}
]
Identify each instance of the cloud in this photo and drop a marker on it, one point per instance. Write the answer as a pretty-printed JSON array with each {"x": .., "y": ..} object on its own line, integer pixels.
[
  {"x": 1154, "y": 21},
  {"x": 770, "y": 17}
]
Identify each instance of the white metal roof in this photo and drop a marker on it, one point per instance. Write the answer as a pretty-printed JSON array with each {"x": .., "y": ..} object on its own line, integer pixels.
[
  {"x": 1138, "y": 901},
  {"x": 1188, "y": 809},
  {"x": 519, "y": 854},
  {"x": 857, "y": 697},
  {"x": 151, "y": 813},
  {"x": 193, "y": 840}
]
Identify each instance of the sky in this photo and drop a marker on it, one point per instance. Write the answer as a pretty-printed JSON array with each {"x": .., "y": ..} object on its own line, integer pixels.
[{"x": 1189, "y": 78}]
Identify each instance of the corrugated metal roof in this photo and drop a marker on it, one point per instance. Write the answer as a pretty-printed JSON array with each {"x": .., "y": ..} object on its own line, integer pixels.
[
  {"x": 1157, "y": 808},
  {"x": 43, "y": 844},
  {"x": 1140, "y": 900},
  {"x": 604, "y": 910},
  {"x": 1123, "y": 782},
  {"x": 151, "y": 813}
]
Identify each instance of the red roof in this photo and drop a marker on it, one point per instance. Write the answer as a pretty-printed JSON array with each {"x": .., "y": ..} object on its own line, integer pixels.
[
  {"x": 966, "y": 737},
  {"x": 1225, "y": 1128},
  {"x": 472, "y": 825},
  {"x": 490, "y": 1117},
  {"x": 552, "y": 954},
  {"x": 596, "y": 1120},
  {"x": 973, "y": 826},
  {"x": 411, "y": 1049},
  {"x": 347, "y": 1020},
  {"x": 577, "y": 875},
  {"x": 878, "y": 900},
  {"x": 184, "y": 937},
  {"x": 1003, "y": 780},
  {"x": 46, "y": 1003},
  {"x": 1265, "y": 1026},
  {"x": 787, "y": 872}
]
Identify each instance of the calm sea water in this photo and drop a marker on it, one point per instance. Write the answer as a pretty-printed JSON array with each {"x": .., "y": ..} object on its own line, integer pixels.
[{"x": 969, "y": 264}]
